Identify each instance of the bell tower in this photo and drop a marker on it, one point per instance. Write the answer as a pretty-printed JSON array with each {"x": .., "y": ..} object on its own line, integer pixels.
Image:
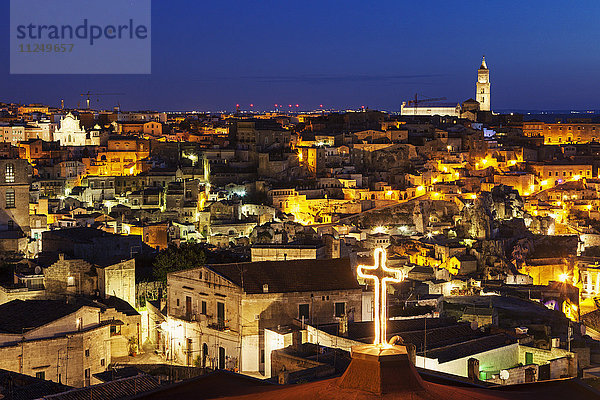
[{"x": 483, "y": 86}]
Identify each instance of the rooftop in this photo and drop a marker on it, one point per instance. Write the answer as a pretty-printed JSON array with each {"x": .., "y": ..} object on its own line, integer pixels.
[
  {"x": 21, "y": 315},
  {"x": 290, "y": 276}
]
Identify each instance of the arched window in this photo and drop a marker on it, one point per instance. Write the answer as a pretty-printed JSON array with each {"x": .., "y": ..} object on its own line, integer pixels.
[{"x": 9, "y": 173}]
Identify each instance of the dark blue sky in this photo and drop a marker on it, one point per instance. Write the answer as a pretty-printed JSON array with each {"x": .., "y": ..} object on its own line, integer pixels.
[{"x": 210, "y": 55}]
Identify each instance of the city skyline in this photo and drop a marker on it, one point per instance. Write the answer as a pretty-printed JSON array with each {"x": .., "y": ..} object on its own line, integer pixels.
[
  {"x": 210, "y": 57},
  {"x": 299, "y": 200}
]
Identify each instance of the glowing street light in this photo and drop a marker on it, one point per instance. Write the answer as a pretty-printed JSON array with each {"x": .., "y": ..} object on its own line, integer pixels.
[
  {"x": 381, "y": 274},
  {"x": 563, "y": 277}
]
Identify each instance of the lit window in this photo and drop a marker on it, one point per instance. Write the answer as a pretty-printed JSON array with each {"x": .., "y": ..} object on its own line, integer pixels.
[
  {"x": 10, "y": 198},
  {"x": 9, "y": 173}
]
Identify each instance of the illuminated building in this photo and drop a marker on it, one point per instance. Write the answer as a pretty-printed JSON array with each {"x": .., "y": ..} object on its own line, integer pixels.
[
  {"x": 483, "y": 87},
  {"x": 288, "y": 251},
  {"x": 70, "y": 133},
  {"x": 556, "y": 173},
  {"x": 123, "y": 156},
  {"x": 151, "y": 128},
  {"x": 563, "y": 133},
  {"x": 429, "y": 109},
  {"x": 244, "y": 298}
]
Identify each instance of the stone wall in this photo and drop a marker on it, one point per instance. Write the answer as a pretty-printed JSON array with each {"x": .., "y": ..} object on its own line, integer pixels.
[
  {"x": 84, "y": 278},
  {"x": 61, "y": 358},
  {"x": 118, "y": 280}
]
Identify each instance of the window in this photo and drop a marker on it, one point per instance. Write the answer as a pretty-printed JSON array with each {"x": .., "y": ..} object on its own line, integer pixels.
[
  {"x": 303, "y": 311},
  {"x": 203, "y": 308},
  {"x": 528, "y": 358},
  {"x": 340, "y": 309},
  {"x": 102, "y": 362},
  {"x": 220, "y": 313},
  {"x": 10, "y": 198},
  {"x": 115, "y": 330},
  {"x": 40, "y": 375},
  {"x": 177, "y": 302},
  {"x": 71, "y": 281},
  {"x": 9, "y": 173},
  {"x": 87, "y": 352}
]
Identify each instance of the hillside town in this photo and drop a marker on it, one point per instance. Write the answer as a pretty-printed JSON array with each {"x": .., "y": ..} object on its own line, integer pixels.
[{"x": 149, "y": 254}]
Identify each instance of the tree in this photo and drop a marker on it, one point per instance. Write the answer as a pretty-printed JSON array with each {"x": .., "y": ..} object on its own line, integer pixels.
[{"x": 186, "y": 256}]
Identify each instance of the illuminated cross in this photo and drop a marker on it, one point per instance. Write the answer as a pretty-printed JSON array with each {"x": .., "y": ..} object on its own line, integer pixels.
[{"x": 381, "y": 274}]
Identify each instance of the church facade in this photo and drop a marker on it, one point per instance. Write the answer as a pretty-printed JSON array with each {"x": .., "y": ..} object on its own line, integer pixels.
[{"x": 70, "y": 133}]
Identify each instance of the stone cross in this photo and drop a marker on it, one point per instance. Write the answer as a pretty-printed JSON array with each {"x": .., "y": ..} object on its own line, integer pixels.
[{"x": 381, "y": 274}]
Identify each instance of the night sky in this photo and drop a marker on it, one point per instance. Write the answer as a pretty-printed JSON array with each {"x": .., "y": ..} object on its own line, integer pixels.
[{"x": 210, "y": 55}]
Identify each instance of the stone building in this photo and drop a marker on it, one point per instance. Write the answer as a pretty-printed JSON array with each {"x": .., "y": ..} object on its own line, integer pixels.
[
  {"x": 91, "y": 244},
  {"x": 70, "y": 277},
  {"x": 562, "y": 133},
  {"x": 124, "y": 155},
  {"x": 289, "y": 251},
  {"x": 556, "y": 173},
  {"x": 54, "y": 340},
  {"x": 78, "y": 277},
  {"x": 118, "y": 280},
  {"x": 246, "y": 298},
  {"x": 15, "y": 178}
]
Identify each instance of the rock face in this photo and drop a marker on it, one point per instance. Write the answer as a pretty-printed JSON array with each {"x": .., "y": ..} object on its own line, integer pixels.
[
  {"x": 482, "y": 219},
  {"x": 506, "y": 203}
]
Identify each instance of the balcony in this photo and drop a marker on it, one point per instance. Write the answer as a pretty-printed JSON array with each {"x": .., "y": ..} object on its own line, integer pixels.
[{"x": 219, "y": 326}]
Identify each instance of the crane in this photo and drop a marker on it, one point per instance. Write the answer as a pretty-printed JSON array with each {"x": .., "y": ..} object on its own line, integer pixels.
[
  {"x": 416, "y": 101},
  {"x": 89, "y": 94}
]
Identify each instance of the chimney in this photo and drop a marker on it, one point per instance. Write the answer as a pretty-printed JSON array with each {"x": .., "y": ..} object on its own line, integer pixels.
[
  {"x": 61, "y": 256},
  {"x": 266, "y": 288},
  {"x": 473, "y": 369}
]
